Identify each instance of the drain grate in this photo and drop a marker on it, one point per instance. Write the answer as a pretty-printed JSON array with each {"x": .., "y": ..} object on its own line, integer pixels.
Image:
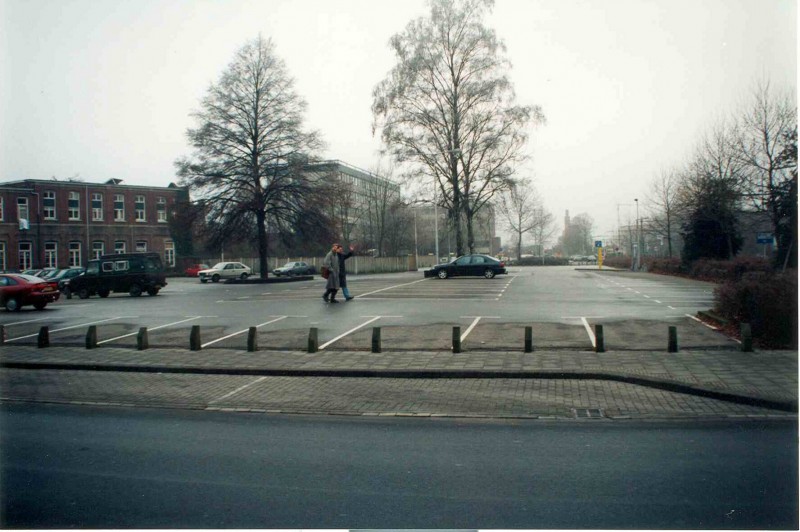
[{"x": 588, "y": 413}]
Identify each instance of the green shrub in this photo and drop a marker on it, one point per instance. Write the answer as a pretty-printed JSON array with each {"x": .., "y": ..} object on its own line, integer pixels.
[
  {"x": 537, "y": 261},
  {"x": 768, "y": 304},
  {"x": 728, "y": 270}
]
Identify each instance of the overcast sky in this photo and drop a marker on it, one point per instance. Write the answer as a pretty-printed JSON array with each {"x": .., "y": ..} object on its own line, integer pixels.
[{"x": 104, "y": 88}]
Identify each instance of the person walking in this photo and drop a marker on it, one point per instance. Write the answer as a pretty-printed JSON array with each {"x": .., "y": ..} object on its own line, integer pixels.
[
  {"x": 331, "y": 261},
  {"x": 343, "y": 272}
]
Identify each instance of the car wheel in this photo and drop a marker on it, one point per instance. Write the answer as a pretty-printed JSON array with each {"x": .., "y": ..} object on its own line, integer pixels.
[
  {"x": 152, "y": 291},
  {"x": 204, "y": 281},
  {"x": 135, "y": 290},
  {"x": 442, "y": 274},
  {"x": 215, "y": 278},
  {"x": 244, "y": 277},
  {"x": 83, "y": 293},
  {"x": 40, "y": 305},
  {"x": 103, "y": 293},
  {"x": 488, "y": 274},
  {"x": 12, "y": 305}
]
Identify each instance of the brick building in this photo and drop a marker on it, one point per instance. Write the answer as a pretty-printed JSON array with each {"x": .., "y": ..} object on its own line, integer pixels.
[{"x": 58, "y": 224}]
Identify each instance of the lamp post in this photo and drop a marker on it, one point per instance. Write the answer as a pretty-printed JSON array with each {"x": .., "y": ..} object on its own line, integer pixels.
[{"x": 638, "y": 238}]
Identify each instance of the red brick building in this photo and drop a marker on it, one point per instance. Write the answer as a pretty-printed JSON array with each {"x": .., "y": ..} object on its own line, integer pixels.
[{"x": 65, "y": 223}]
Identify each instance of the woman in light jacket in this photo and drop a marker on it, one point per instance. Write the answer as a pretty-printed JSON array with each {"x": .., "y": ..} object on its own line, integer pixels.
[{"x": 331, "y": 261}]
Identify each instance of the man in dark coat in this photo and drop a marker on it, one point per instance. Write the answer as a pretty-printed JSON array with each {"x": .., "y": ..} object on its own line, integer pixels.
[{"x": 342, "y": 272}]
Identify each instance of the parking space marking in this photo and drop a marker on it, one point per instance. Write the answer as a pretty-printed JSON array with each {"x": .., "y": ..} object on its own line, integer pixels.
[
  {"x": 589, "y": 330},
  {"x": 395, "y": 286},
  {"x": 71, "y": 327},
  {"x": 701, "y": 321},
  {"x": 469, "y": 329},
  {"x": 22, "y": 322},
  {"x": 326, "y": 344},
  {"x": 152, "y": 329},
  {"x": 240, "y": 332}
]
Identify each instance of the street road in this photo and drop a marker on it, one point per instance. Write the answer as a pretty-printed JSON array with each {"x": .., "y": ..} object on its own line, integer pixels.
[
  {"x": 562, "y": 304},
  {"x": 84, "y": 467}
]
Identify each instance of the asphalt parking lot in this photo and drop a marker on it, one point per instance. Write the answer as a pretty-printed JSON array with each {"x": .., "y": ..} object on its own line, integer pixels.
[{"x": 561, "y": 304}]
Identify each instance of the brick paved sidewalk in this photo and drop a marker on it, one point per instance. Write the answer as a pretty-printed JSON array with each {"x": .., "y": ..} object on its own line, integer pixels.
[{"x": 765, "y": 378}]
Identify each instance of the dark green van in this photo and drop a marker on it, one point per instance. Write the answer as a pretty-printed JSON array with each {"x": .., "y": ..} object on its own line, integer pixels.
[{"x": 133, "y": 273}]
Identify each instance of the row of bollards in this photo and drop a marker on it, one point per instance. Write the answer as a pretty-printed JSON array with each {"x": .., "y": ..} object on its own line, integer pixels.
[{"x": 142, "y": 341}]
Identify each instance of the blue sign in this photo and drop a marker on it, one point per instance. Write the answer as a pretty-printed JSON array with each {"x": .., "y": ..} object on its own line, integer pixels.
[
  {"x": 598, "y": 243},
  {"x": 764, "y": 238}
]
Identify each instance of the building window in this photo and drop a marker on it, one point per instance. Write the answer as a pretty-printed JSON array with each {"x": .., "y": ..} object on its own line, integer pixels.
[
  {"x": 119, "y": 246},
  {"x": 3, "y": 265},
  {"x": 119, "y": 208},
  {"x": 98, "y": 249},
  {"x": 169, "y": 253},
  {"x": 161, "y": 209},
  {"x": 22, "y": 209},
  {"x": 2, "y": 210},
  {"x": 74, "y": 206},
  {"x": 25, "y": 256},
  {"x": 97, "y": 207},
  {"x": 50, "y": 255},
  {"x": 74, "y": 255},
  {"x": 139, "y": 209},
  {"x": 141, "y": 246},
  {"x": 49, "y": 204}
]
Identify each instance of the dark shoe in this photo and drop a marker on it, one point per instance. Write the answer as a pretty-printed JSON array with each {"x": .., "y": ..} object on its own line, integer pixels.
[
  {"x": 334, "y": 301},
  {"x": 348, "y": 298},
  {"x": 325, "y": 297}
]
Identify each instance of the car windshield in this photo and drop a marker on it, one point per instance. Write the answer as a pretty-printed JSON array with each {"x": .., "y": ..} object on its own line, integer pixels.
[{"x": 219, "y": 266}]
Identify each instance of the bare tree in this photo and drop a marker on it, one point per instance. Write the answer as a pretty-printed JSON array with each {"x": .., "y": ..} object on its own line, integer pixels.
[
  {"x": 249, "y": 146},
  {"x": 447, "y": 107},
  {"x": 664, "y": 208},
  {"x": 519, "y": 207},
  {"x": 764, "y": 133},
  {"x": 380, "y": 198}
]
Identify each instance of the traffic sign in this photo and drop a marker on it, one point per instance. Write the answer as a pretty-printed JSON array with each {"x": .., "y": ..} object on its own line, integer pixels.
[{"x": 598, "y": 243}]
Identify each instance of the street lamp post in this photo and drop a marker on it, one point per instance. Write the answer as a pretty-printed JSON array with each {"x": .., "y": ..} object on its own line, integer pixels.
[{"x": 638, "y": 238}]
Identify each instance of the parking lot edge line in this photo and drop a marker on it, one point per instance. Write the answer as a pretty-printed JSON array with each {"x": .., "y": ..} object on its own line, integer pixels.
[
  {"x": 237, "y": 390},
  {"x": 149, "y": 329},
  {"x": 67, "y": 328},
  {"x": 589, "y": 330},
  {"x": 241, "y": 332},
  {"x": 326, "y": 344}
]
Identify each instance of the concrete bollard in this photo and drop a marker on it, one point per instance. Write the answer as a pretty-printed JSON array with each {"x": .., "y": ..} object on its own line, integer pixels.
[
  {"x": 194, "y": 338},
  {"x": 376, "y": 339},
  {"x": 313, "y": 340},
  {"x": 142, "y": 339},
  {"x": 252, "y": 339},
  {"x": 599, "y": 339},
  {"x": 456, "y": 339},
  {"x": 747, "y": 338},
  {"x": 44, "y": 337},
  {"x": 91, "y": 337},
  {"x": 529, "y": 339},
  {"x": 672, "y": 344}
]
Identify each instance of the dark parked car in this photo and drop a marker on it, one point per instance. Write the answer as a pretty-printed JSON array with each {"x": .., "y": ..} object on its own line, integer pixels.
[
  {"x": 475, "y": 265},
  {"x": 18, "y": 290},
  {"x": 295, "y": 268},
  {"x": 134, "y": 273}
]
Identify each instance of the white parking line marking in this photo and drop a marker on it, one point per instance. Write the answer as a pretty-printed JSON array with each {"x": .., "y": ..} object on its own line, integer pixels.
[
  {"x": 701, "y": 321},
  {"x": 469, "y": 329},
  {"x": 390, "y": 287},
  {"x": 326, "y": 344},
  {"x": 237, "y": 390},
  {"x": 153, "y": 329},
  {"x": 589, "y": 330},
  {"x": 71, "y": 327},
  {"x": 26, "y": 321},
  {"x": 240, "y": 332}
]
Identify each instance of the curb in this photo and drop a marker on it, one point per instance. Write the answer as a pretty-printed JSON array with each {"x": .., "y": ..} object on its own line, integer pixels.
[{"x": 661, "y": 384}]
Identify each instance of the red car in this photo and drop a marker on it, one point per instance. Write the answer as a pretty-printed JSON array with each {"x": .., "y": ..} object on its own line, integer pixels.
[
  {"x": 18, "y": 290},
  {"x": 192, "y": 270}
]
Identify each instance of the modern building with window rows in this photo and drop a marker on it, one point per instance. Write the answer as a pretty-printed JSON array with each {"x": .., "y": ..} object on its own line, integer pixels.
[{"x": 60, "y": 224}]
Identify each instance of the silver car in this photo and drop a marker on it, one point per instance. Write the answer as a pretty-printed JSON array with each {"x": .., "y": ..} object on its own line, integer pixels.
[{"x": 224, "y": 270}]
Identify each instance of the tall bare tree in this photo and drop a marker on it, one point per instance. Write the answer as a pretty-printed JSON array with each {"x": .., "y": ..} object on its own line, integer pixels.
[
  {"x": 381, "y": 197},
  {"x": 764, "y": 134},
  {"x": 664, "y": 206},
  {"x": 447, "y": 107},
  {"x": 249, "y": 151},
  {"x": 520, "y": 207}
]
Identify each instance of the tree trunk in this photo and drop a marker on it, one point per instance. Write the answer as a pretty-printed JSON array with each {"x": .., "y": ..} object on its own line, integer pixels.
[{"x": 263, "y": 263}]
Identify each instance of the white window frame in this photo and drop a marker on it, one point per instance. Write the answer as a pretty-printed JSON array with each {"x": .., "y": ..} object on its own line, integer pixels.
[
  {"x": 3, "y": 263},
  {"x": 169, "y": 253},
  {"x": 140, "y": 246},
  {"x": 23, "y": 207},
  {"x": 140, "y": 215},
  {"x": 120, "y": 248},
  {"x": 74, "y": 212},
  {"x": 51, "y": 254},
  {"x": 49, "y": 213},
  {"x": 74, "y": 259},
  {"x": 97, "y": 212},
  {"x": 161, "y": 209},
  {"x": 119, "y": 213},
  {"x": 25, "y": 255}
]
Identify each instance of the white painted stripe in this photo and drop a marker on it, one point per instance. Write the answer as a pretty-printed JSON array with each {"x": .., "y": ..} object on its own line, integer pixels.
[
  {"x": 469, "y": 329},
  {"x": 26, "y": 321},
  {"x": 701, "y": 321},
  {"x": 237, "y": 390},
  {"x": 395, "y": 286},
  {"x": 149, "y": 329},
  {"x": 240, "y": 332},
  {"x": 72, "y": 327},
  {"x": 589, "y": 330},
  {"x": 326, "y": 344}
]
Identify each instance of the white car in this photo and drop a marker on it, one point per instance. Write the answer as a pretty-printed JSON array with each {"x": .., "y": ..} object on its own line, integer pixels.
[{"x": 224, "y": 270}]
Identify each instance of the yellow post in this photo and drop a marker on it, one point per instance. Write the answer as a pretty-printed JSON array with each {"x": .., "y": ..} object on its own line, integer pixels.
[{"x": 600, "y": 257}]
